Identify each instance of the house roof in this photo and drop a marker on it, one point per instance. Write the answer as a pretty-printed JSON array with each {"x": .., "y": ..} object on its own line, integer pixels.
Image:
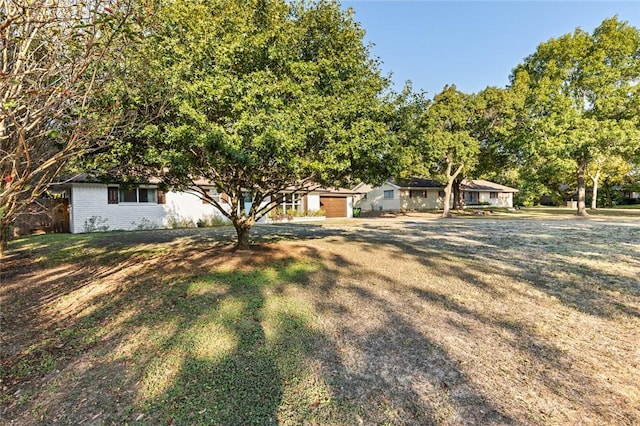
[
  {"x": 484, "y": 185},
  {"x": 315, "y": 189},
  {"x": 420, "y": 183},
  {"x": 89, "y": 178},
  {"x": 362, "y": 188},
  {"x": 312, "y": 188},
  {"x": 415, "y": 182}
]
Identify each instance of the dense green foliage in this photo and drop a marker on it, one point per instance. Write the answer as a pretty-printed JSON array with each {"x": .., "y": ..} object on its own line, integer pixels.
[
  {"x": 448, "y": 146},
  {"x": 260, "y": 97},
  {"x": 582, "y": 102}
]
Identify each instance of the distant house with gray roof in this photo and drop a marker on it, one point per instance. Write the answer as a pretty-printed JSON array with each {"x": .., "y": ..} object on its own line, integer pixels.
[{"x": 427, "y": 194}]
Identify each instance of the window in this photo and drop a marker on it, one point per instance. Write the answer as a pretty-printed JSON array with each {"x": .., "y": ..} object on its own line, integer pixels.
[
  {"x": 493, "y": 195},
  {"x": 292, "y": 201},
  {"x": 388, "y": 195},
  {"x": 417, "y": 193},
  {"x": 112, "y": 195},
  {"x": 117, "y": 195},
  {"x": 215, "y": 196},
  {"x": 128, "y": 195},
  {"x": 146, "y": 195},
  {"x": 440, "y": 193}
]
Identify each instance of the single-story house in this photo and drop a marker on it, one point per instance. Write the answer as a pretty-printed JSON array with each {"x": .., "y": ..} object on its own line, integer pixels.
[
  {"x": 99, "y": 206},
  {"x": 483, "y": 192},
  {"x": 427, "y": 194}
]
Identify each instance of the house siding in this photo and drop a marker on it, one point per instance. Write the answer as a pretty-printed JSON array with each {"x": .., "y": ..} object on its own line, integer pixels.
[
  {"x": 375, "y": 200},
  {"x": 430, "y": 202},
  {"x": 505, "y": 199},
  {"x": 187, "y": 206},
  {"x": 313, "y": 202},
  {"x": 90, "y": 211},
  {"x": 403, "y": 201}
]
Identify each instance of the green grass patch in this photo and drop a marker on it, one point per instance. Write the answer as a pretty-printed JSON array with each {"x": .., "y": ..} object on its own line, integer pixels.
[
  {"x": 619, "y": 211},
  {"x": 239, "y": 353}
]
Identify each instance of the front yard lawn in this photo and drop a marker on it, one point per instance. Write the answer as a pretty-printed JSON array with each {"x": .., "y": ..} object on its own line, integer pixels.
[{"x": 364, "y": 322}]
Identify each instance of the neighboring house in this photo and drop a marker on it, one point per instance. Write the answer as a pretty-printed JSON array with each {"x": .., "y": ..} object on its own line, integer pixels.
[
  {"x": 411, "y": 194},
  {"x": 483, "y": 192},
  {"x": 426, "y": 194},
  {"x": 98, "y": 206}
]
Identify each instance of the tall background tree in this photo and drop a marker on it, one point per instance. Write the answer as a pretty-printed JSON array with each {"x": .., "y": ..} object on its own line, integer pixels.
[
  {"x": 582, "y": 100},
  {"x": 499, "y": 112},
  {"x": 446, "y": 147},
  {"x": 263, "y": 97},
  {"x": 55, "y": 57}
]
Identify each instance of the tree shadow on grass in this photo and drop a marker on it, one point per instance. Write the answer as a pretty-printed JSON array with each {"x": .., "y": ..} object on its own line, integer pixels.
[
  {"x": 278, "y": 367},
  {"x": 546, "y": 258},
  {"x": 223, "y": 342}
]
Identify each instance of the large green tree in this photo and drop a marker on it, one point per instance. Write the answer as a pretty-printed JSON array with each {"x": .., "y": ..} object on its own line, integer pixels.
[
  {"x": 446, "y": 146},
  {"x": 263, "y": 97},
  {"x": 499, "y": 113},
  {"x": 582, "y": 99}
]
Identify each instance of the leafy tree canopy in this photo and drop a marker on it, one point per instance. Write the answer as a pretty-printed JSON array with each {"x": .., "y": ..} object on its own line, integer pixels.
[
  {"x": 261, "y": 96},
  {"x": 582, "y": 98}
]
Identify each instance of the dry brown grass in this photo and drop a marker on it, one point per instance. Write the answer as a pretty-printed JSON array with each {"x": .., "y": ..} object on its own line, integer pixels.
[{"x": 409, "y": 321}]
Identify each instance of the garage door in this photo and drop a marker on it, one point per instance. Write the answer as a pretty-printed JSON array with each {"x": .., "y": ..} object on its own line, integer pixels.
[{"x": 334, "y": 206}]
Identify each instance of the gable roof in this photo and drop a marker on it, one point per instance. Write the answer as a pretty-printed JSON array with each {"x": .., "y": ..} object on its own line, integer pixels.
[
  {"x": 415, "y": 182},
  {"x": 484, "y": 185}
]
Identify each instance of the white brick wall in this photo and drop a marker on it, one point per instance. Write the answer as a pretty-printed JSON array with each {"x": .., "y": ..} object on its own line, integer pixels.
[{"x": 90, "y": 210}]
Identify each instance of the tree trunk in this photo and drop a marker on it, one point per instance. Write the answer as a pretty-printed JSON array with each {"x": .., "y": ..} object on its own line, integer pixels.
[
  {"x": 594, "y": 192},
  {"x": 447, "y": 200},
  {"x": 451, "y": 178},
  {"x": 609, "y": 196},
  {"x": 457, "y": 195},
  {"x": 4, "y": 237},
  {"x": 243, "y": 231},
  {"x": 582, "y": 191}
]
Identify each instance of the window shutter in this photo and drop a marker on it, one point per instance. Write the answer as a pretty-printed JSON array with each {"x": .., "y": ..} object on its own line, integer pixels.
[
  {"x": 224, "y": 198},
  {"x": 112, "y": 195},
  {"x": 162, "y": 199}
]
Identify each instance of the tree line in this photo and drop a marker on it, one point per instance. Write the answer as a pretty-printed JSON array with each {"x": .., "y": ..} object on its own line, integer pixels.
[{"x": 261, "y": 96}]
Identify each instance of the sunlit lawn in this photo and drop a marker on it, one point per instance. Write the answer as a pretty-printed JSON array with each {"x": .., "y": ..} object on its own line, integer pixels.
[{"x": 370, "y": 321}]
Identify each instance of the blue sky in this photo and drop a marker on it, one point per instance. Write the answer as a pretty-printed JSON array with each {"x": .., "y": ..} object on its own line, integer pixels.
[{"x": 472, "y": 44}]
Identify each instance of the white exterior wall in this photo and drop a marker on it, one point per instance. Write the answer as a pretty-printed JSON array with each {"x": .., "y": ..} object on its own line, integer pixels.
[
  {"x": 505, "y": 199},
  {"x": 375, "y": 200},
  {"x": 90, "y": 211},
  {"x": 187, "y": 206},
  {"x": 432, "y": 200},
  {"x": 349, "y": 206},
  {"x": 313, "y": 202}
]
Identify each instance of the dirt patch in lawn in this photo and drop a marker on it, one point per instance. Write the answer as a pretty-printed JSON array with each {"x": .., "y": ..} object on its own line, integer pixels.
[{"x": 372, "y": 322}]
